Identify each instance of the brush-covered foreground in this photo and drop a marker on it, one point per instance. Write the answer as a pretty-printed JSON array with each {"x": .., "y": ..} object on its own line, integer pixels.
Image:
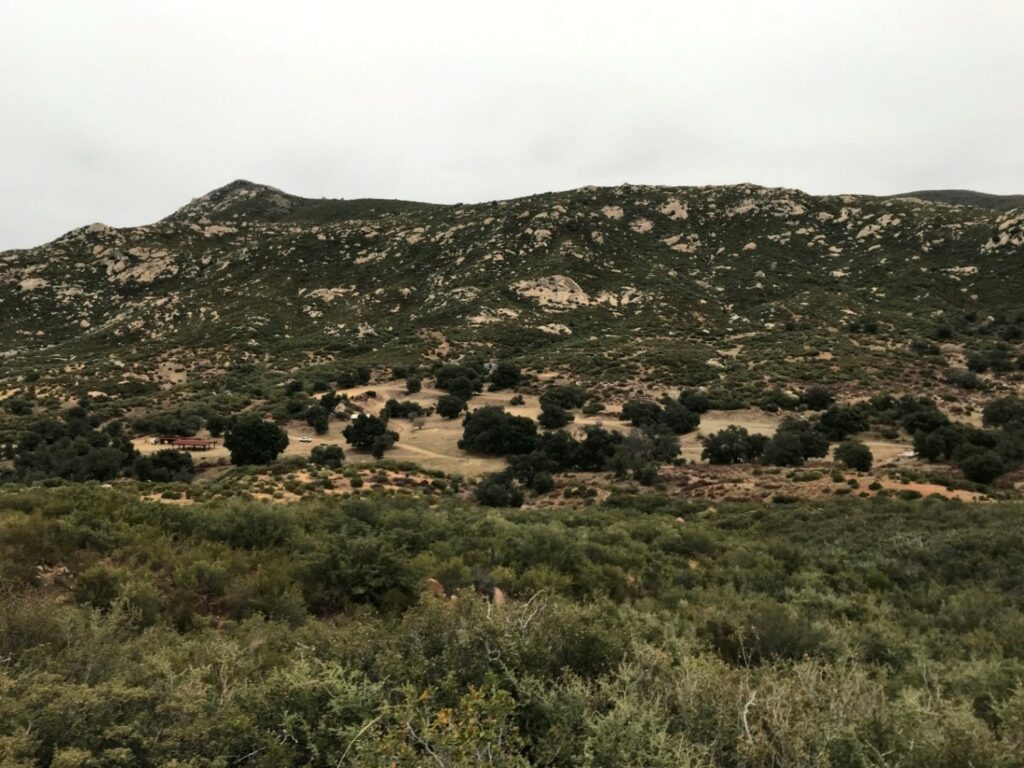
[{"x": 394, "y": 630}]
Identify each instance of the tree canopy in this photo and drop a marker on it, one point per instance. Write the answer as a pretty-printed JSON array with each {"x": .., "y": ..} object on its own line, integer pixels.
[
  {"x": 253, "y": 440},
  {"x": 492, "y": 431}
]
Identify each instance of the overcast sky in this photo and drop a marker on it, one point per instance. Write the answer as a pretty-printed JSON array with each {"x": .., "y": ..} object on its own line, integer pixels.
[{"x": 122, "y": 111}]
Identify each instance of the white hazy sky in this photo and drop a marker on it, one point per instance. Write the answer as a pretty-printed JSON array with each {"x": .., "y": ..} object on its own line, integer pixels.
[{"x": 122, "y": 110}]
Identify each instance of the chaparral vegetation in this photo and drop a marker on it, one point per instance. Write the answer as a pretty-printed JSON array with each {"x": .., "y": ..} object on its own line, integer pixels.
[{"x": 635, "y": 476}]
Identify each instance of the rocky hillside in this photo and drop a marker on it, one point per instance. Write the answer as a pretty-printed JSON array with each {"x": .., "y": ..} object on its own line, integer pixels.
[{"x": 688, "y": 284}]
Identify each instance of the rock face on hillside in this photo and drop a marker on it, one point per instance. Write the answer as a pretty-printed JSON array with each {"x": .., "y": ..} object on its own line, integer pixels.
[{"x": 248, "y": 271}]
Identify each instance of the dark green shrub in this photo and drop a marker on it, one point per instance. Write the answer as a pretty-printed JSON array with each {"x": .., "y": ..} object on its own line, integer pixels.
[
  {"x": 166, "y": 466},
  {"x": 505, "y": 375},
  {"x": 817, "y": 398},
  {"x": 553, "y": 416},
  {"x": 494, "y": 432},
  {"x": 733, "y": 445},
  {"x": 405, "y": 409},
  {"x": 252, "y": 440},
  {"x": 316, "y": 417},
  {"x": 1003, "y": 411},
  {"x": 855, "y": 455},
  {"x": 450, "y": 406},
  {"x": 327, "y": 456},
  {"x": 369, "y": 433},
  {"x": 982, "y": 466},
  {"x": 840, "y": 421},
  {"x": 695, "y": 400},
  {"x": 566, "y": 396},
  {"x": 498, "y": 490}
]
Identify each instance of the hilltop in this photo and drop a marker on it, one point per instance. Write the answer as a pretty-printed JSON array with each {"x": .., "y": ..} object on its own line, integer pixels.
[{"x": 968, "y": 197}]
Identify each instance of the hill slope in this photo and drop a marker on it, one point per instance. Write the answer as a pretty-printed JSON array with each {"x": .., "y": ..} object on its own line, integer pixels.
[
  {"x": 968, "y": 197},
  {"x": 686, "y": 284}
]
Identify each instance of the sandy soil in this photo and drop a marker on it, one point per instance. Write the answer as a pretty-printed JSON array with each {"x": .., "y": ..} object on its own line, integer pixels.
[{"x": 928, "y": 489}]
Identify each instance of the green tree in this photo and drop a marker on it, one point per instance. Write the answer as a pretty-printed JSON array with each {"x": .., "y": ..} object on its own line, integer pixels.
[
  {"x": 553, "y": 416},
  {"x": 817, "y": 398},
  {"x": 840, "y": 421},
  {"x": 165, "y": 466},
  {"x": 982, "y": 466},
  {"x": 216, "y": 423},
  {"x": 695, "y": 400},
  {"x": 1003, "y": 411},
  {"x": 382, "y": 443},
  {"x": 679, "y": 418},
  {"x": 316, "y": 417},
  {"x": 492, "y": 431},
  {"x": 369, "y": 433},
  {"x": 252, "y": 440},
  {"x": 785, "y": 449},
  {"x": 450, "y": 406},
  {"x": 641, "y": 412},
  {"x": 327, "y": 456},
  {"x": 401, "y": 409},
  {"x": 498, "y": 490},
  {"x": 594, "y": 451},
  {"x": 855, "y": 455},
  {"x": 505, "y": 375},
  {"x": 566, "y": 396},
  {"x": 462, "y": 387},
  {"x": 733, "y": 445},
  {"x": 812, "y": 443}
]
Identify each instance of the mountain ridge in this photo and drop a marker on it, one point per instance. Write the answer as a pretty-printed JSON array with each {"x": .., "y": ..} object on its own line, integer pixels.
[{"x": 636, "y": 280}]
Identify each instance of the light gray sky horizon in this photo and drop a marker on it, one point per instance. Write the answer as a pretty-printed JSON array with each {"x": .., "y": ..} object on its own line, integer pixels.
[{"x": 121, "y": 111}]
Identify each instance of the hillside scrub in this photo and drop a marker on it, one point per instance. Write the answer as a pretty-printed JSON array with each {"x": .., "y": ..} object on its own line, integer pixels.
[
  {"x": 309, "y": 634},
  {"x": 326, "y": 276}
]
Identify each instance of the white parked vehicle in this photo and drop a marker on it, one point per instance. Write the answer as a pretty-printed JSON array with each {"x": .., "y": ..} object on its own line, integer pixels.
[{"x": 305, "y": 439}]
